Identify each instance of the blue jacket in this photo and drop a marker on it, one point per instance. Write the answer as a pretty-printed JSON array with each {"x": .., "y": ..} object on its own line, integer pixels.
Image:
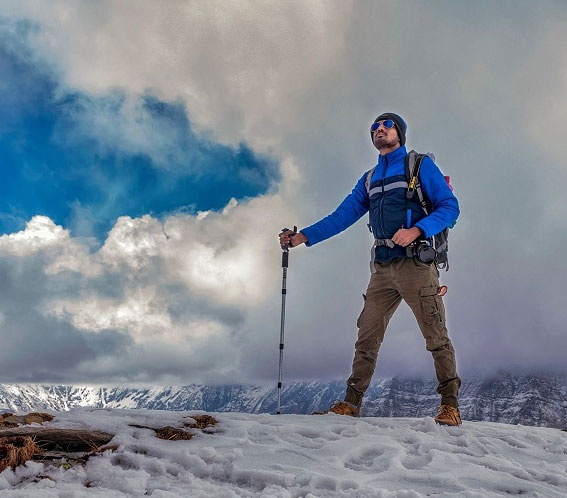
[{"x": 388, "y": 212}]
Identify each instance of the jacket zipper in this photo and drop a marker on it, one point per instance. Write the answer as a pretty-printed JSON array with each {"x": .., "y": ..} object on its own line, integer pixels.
[{"x": 382, "y": 199}]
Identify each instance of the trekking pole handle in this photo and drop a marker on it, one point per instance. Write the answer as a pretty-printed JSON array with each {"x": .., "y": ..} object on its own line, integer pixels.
[
  {"x": 285, "y": 230},
  {"x": 285, "y": 253}
]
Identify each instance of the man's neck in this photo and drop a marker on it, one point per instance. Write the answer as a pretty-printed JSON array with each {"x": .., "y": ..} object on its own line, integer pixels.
[{"x": 386, "y": 150}]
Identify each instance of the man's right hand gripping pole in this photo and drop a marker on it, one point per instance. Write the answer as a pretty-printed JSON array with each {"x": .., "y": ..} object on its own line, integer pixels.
[{"x": 290, "y": 238}]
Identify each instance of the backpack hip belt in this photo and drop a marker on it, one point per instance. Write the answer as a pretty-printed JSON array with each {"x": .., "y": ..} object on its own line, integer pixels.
[
  {"x": 384, "y": 243},
  {"x": 411, "y": 250}
]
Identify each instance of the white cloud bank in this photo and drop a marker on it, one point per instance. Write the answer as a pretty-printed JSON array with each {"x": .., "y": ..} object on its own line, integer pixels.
[{"x": 180, "y": 285}]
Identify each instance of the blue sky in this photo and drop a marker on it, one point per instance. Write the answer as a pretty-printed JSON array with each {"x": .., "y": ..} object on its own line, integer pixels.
[{"x": 52, "y": 166}]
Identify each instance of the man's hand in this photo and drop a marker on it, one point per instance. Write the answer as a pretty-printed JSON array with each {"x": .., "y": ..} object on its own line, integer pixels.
[
  {"x": 291, "y": 239},
  {"x": 404, "y": 237}
]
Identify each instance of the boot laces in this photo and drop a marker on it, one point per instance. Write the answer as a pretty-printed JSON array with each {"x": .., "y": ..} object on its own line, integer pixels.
[
  {"x": 445, "y": 410},
  {"x": 342, "y": 404},
  {"x": 449, "y": 412}
]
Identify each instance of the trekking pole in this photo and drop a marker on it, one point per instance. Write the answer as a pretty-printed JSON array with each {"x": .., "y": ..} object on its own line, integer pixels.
[{"x": 285, "y": 260}]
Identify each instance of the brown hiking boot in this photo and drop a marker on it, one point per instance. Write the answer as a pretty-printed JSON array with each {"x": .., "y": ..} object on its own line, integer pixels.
[
  {"x": 448, "y": 416},
  {"x": 344, "y": 408}
]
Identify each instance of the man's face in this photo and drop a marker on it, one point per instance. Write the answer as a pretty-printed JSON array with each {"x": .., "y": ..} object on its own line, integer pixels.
[{"x": 385, "y": 137}]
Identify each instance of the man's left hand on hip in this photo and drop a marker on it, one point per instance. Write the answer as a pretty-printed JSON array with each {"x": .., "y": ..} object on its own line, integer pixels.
[{"x": 404, "y": 236}]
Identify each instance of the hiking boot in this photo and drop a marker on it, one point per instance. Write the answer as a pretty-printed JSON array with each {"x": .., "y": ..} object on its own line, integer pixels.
[
  {"x": 344, "y": 408},
  {"x": 448, "y": 416}
]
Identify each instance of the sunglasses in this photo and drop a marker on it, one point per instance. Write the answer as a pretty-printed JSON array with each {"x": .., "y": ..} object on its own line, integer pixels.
[{"x": 387, "y": 123}]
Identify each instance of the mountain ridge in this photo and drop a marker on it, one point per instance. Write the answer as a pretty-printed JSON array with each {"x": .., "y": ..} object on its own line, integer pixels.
[{"x": 538, "y": 400}]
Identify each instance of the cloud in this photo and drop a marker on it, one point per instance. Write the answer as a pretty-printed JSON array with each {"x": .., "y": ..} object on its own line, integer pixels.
[
  {"x": 117, "y": 122},
  {"x": 84, "y": 160},
  {"x": 233, "y": 66},
  {"x": 480, "y": 85},
  {"x": 37, "y": 346},
  {"x": 171, "y": 293}
]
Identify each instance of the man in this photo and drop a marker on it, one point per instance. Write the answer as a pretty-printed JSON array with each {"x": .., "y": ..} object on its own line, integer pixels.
[{"x": 396, "y": 224}]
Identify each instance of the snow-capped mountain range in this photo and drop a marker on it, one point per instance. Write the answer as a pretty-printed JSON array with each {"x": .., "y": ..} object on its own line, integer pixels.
[{"x": 538, "y": 400}]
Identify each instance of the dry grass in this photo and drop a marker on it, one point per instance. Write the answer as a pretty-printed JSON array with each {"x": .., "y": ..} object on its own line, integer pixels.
[
  {"x": 101, "y": 449},
  {"x": 16, "y": 451},
  {"x": 169, "y": 433},
  {"x": 38, "y": 417},
  {"x": 9, "y": 420},
  {"x": 202, "y": 421},
  {"x": 172, "y": 434}
]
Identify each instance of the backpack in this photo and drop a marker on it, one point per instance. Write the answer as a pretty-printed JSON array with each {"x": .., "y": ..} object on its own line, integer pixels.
[{"x": 412, "y": 166}]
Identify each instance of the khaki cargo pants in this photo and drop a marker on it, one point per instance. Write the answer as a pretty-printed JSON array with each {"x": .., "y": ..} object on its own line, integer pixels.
[{"x": 417, "y": 284}]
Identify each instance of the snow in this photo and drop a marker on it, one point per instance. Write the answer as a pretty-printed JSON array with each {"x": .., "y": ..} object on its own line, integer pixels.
[{"x": 292, "y": 456}]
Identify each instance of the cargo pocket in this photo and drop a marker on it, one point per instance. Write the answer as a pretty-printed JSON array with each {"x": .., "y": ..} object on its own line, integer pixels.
[
  {"x": 360, "y": 316},
  {"x": 430, "y": 305}
]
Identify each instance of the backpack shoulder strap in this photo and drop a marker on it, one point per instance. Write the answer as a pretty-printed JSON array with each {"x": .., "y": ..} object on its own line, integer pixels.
[
  {"x": 368, "y": 180},
  {"x": 410, "y": 164},
  {"x": 413, "y": 167}
]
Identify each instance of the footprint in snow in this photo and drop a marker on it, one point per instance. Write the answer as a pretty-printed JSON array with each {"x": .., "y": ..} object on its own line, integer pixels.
[{"x": 365, "y": 460}]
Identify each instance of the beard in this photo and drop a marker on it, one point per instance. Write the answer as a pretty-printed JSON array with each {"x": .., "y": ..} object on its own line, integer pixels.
[{"x": 385, "y": 142}]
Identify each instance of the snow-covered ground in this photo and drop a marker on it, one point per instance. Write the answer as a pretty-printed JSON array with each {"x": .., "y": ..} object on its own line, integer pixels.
[{"x": 284, "y": 456}]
